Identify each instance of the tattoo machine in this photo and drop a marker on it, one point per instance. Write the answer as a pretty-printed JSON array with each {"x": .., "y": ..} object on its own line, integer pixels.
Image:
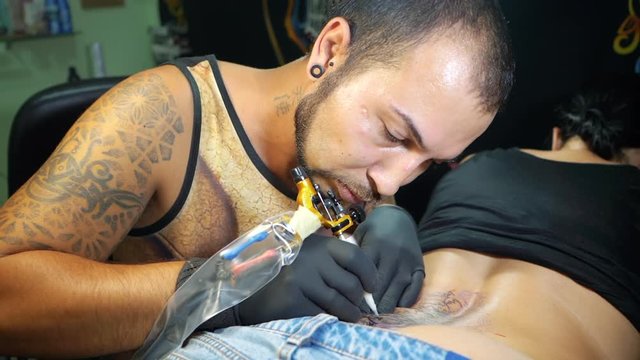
[{"x": 331, "y": 213}]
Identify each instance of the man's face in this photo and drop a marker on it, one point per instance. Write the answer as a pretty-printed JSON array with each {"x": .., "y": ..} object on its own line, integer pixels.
[{"x": 372, "y": 133}]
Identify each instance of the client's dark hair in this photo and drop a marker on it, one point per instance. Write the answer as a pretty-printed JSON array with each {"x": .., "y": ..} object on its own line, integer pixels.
[
  {"x": 382, "y": 30},
  {"x": 604, "y": 115}
]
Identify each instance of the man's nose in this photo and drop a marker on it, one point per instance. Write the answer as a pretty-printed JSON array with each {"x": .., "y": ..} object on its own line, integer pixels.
[{"x": 389, "y": 175}]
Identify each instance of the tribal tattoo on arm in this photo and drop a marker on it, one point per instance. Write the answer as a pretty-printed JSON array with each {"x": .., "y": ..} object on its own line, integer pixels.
[{"x": 95, "y": 185}]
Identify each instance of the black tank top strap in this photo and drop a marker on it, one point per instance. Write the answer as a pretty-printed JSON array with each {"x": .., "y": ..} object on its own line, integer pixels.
[{"x": 182, "y": 65}]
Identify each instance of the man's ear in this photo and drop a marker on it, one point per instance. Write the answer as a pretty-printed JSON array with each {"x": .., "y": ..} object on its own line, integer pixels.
[
  {"x": 556, "y": 139},
  {"x": 330, "y": 47}
]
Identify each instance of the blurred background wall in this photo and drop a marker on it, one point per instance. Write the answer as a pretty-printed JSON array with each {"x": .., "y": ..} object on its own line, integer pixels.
[{"x": 30, "y": 65}]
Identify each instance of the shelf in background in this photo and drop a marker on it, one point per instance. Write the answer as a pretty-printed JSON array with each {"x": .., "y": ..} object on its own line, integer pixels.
[{"x": 12, "y": 38}]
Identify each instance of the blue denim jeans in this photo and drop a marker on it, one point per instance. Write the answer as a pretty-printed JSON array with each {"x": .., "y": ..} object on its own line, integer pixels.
[{"x": 319, "y": 337}]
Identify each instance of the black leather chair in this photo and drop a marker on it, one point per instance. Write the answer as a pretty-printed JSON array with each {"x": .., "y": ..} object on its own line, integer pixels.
[{"x": 42, "y": 121}]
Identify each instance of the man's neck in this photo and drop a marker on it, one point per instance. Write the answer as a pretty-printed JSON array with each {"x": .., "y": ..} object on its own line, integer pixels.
[{"x": 265, "y": 101}]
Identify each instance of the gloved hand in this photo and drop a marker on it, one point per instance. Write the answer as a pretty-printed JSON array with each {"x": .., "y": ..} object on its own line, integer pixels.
[
  {"x": 389, "y": 237},
  {"x": 328, "y": 275}
]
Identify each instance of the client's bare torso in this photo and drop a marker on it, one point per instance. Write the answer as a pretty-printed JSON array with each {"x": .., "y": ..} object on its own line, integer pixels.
[{"x": 484, "y": 307}]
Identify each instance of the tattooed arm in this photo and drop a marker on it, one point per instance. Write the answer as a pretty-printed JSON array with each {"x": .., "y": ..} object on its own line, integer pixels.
[{"x": 58, "y": 299}]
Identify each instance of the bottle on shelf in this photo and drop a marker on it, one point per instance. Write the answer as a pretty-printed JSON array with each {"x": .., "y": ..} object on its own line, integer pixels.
[
  {"x": 53, "y": 16},
  {"x": 66, "y": 26},
  {"x": 5, "y": 18}
]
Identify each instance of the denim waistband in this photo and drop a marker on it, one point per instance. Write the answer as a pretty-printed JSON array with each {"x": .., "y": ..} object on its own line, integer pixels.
[
  {"x": 352, "y": 340},
  {"x": 322, "y": 337}
]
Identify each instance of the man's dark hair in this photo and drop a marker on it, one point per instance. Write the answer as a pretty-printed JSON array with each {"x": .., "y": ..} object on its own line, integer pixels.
[
  {"x": 604, "y": 114},
  {"x": 382, "y": 30}
]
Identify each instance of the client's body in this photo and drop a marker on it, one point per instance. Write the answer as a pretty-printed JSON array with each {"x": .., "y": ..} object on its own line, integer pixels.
[
  {"x": 537, "y": 249},
  {"x": 484, "y": 306},
  {"x": 528, "y": 254}
]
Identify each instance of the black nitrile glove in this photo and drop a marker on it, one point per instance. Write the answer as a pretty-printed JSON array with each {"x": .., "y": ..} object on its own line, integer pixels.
[
  {"x": 328, "y": 276},
  {"x": 389, "y": 238}
]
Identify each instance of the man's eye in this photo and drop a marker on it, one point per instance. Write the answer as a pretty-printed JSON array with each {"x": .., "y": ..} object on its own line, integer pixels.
[
  {"x": 451, "y": 163},
  {"x": 390, "y": 136}
]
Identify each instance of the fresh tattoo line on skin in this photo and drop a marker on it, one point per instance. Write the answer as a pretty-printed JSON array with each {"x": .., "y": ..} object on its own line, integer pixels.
[
  {"x": 435, "y": 308},
  {"x": 87, "y": 168}
]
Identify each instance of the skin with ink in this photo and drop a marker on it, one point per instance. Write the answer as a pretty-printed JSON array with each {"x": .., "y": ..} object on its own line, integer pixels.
[
  {"x": 435, "y": 308},
  {"x": 286, "y": 103},
  {"x": 85, "y": 170}
]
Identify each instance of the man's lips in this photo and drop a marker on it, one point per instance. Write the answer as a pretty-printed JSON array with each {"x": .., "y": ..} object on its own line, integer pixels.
[{"x": 347, "y": 195}]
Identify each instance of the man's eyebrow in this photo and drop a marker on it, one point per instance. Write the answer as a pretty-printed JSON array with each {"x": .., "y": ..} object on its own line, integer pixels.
[{"x": 411, "y": 125}]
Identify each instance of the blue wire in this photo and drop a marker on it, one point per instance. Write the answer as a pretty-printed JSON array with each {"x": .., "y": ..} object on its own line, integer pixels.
[{"x": 233, "y": 252}]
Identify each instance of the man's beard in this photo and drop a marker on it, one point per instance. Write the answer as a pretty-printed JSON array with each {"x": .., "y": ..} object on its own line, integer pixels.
[
  {"x": 304, "y": 116},
  {"x": 307, "y": 110}
]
